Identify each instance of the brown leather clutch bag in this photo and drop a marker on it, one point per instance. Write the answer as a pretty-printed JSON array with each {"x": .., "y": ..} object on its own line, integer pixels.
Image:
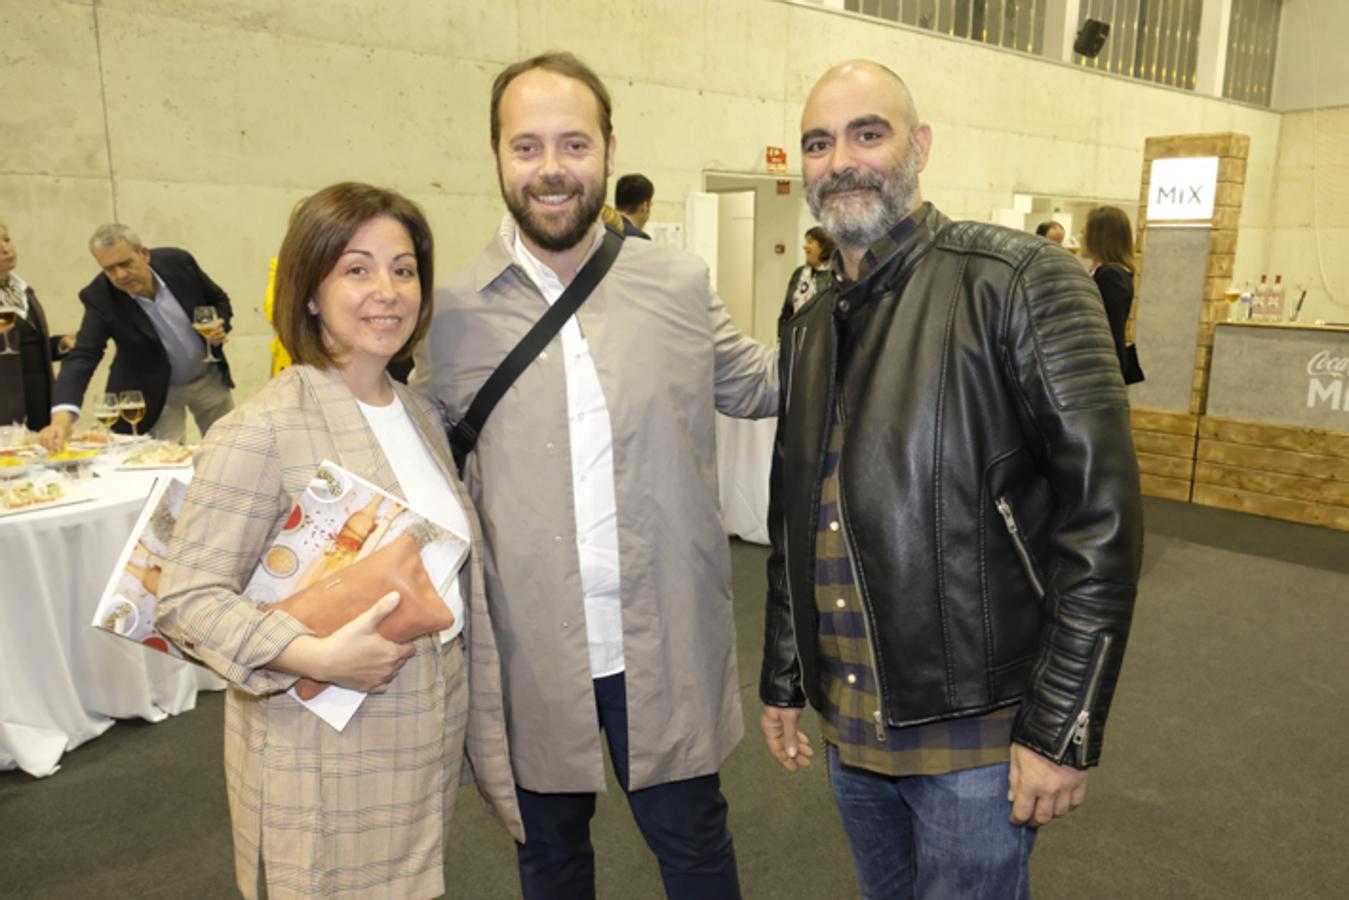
[{"x": 327, "y": 605}]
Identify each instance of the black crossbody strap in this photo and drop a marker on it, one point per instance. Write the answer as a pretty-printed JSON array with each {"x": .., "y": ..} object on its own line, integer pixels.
[{"x": 464, "y": 434}]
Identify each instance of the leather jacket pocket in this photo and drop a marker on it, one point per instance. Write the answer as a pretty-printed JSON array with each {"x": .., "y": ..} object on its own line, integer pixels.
[{"x": 1019, "y": 544}]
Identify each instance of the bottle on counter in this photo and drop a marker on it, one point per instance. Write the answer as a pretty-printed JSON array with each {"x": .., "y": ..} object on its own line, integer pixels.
[
  {"x": 1260, "y": 304},
  {"x": 1277, "y": 301},
  {"x": 1245, "y": 304}
]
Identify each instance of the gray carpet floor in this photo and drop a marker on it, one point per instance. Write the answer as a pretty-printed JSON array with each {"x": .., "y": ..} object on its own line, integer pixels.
[{"x": 1224, "y": 773}]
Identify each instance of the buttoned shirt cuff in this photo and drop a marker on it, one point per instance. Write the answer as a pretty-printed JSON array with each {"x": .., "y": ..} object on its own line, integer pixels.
[{"x": 67, "y": 407}]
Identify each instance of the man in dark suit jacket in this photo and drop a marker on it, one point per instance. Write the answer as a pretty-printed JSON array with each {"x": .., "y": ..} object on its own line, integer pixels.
[
  {"x": 632, "y": 198},
  {"x": 145, "y": 302}
]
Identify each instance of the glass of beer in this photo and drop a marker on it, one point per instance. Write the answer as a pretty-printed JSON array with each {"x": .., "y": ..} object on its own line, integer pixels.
[
  {"x": 206, "y": 322},
  {"x": 106, "y": 411},
  {"x": 9, "y": 317},
  {"x": 131, "y": 406}
]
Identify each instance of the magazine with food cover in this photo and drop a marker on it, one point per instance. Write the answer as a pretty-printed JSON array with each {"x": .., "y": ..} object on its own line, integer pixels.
[{"x": 338, "y": 520}]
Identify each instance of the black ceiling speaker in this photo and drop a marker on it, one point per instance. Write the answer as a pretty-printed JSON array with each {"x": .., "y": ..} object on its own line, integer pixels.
[{"x": 1091, "y": 38}]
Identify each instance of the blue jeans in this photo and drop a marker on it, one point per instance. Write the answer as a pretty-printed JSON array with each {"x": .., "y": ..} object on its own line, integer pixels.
[
  {"x": 932, "y": 836},
  {"x": 683, "y": 822}
]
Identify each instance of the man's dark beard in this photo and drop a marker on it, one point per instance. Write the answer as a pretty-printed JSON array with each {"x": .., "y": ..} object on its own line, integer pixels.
[{"x": 574, "y": 227}]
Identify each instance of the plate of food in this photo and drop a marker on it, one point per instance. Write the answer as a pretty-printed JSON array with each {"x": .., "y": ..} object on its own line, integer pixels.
[
  {"x": 71, "y": 458},
  {"x": 14, "y": 467},
  {"x": 159, "y": 456},
  {"x": 89, "y": 440},
  {"x": 35, "y": 494},
  {"x": 22, "y": 451}
]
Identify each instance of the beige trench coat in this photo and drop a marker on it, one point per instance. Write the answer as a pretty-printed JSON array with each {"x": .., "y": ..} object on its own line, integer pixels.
[
  {"x": 668, "y": 357},
  {"x": 359, "y": 812}
]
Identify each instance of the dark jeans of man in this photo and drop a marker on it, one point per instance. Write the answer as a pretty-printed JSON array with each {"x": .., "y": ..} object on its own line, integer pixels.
[
  {"x": 931, "y": 837},
  {"x": 683, "y": 822}
]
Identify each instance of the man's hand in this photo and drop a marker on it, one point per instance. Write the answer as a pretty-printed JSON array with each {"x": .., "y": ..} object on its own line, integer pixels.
[
  {"x": 55, "y": 435},
  {"x": 218, "y": 337},
  {"x": 67, "y": 342},
  {"x": 1040, "y": 789},
  {"x": 789, "y": 747}
]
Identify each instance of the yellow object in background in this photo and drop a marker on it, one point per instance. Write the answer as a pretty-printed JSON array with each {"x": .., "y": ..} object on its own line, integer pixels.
[
  {"x": 67, "y": 455},
  {"x": 280, "y": 358}
]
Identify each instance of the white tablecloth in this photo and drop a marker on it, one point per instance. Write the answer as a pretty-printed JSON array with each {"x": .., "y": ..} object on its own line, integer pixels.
[
  {"x": 744, "y": 457},
  {"x": 62, "y": 682}
]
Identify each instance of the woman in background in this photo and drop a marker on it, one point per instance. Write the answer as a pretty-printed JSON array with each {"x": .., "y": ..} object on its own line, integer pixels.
[
  {"x": 803, "y": 286},
  {"x": 1108, "y": 243},
  {"x": 317, "y": 811},
  {"x": 27, "y": 372}
]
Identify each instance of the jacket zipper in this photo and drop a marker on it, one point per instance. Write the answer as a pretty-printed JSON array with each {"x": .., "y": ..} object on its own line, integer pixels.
[
  {"x": 786, "y": 540},
  {"x": 1005, "y": 508},
  {"x": 877, "y": 718},
  {"x": 791, "y": 604},
  {"x": 1077, "y": 733},
  {"x": 798, "y": 338}
]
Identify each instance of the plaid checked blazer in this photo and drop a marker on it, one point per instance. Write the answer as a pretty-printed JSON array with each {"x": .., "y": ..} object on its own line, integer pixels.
[{"x": 360, "y": 812}]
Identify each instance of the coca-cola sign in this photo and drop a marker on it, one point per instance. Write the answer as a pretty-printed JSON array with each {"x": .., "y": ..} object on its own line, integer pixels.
[{"x": 1326, "y": 378}]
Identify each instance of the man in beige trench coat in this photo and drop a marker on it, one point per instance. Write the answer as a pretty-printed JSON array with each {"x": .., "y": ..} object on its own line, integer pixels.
[{"x": 608, "y": 571}]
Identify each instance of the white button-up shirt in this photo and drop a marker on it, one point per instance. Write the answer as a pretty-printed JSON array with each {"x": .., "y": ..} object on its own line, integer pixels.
[{"x": 592, "y": 475}]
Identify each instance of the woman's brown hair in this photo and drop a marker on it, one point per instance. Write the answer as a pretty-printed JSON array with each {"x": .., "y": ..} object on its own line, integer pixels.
[
  {"x": 319, "y": 231},
  {"x": 1108, "y": 237},
  {"x": 817, "y": 234}
]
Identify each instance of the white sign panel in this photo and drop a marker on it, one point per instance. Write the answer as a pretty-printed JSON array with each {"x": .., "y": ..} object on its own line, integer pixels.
[{"x": 1182, "y": 188}]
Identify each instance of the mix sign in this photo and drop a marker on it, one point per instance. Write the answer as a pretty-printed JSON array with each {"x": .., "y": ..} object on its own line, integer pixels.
[{"x": 1326, "y": 377}]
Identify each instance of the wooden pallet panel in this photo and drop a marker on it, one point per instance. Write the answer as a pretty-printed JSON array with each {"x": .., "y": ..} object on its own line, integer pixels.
[
  {"x": 1166, "y": 422},
  {"x": 1167, "y": 466},
  {"x": 1155, "y": 444},
  {"x": 1274, "y": 484},
  {"x": 1283, "y": 437},
  {"x": 1279, "y": 471},
  {"x": 1270, "y": 459},
  {"x": 1161, "y": 486},
  {"x": 1272, "y": 507}
]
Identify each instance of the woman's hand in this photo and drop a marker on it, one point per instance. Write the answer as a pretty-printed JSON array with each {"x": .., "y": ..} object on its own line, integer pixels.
[{"x": 355, "y": 656}]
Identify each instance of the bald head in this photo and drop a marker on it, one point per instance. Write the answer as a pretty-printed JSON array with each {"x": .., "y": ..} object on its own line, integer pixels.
[
  {"x": 862, "y": 149},
  {"x": 878, "y": 81}
]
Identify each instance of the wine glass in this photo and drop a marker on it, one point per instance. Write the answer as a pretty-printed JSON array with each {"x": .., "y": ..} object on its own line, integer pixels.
[
  {"x": 206, "y": 322},
  {"x": 131, "y": 406},
  {"x": 9, "y": 317},
  {"x": 106, "y": 411}
]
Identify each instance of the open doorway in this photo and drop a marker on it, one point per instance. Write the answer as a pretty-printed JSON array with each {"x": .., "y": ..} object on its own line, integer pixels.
[{"x": 760, "y": 222}]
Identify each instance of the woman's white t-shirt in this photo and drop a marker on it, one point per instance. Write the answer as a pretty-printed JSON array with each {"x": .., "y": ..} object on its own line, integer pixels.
[{"x": 424, "y": 485}]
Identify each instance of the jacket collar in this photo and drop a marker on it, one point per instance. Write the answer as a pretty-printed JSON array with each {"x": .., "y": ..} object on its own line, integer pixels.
[
  {"x": 893, "y": 253},
  {"x": 499, "y": 255},
  {"x": 356, "y": 445}
]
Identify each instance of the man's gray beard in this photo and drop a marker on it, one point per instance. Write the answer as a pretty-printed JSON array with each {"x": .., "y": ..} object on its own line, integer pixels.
[
  {"x": 896, "y": 194},
  {"x": 575, "y": 228}
]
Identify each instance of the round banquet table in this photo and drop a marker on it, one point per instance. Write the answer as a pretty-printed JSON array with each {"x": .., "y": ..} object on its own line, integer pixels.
[{"x": 62, "y": 682}]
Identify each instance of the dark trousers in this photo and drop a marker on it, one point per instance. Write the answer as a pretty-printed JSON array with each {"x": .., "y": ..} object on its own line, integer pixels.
[{"x": 683, "y": 822}]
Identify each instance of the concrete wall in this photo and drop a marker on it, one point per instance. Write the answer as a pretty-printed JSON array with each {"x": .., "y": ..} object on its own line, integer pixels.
[
  {"x": 1310, "y": 220},
  {"x": 1311, "y": 68},
  {"x": 202, "y": 123}
]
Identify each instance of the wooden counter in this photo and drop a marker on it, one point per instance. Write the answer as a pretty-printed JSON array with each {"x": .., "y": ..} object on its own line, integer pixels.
[{"x": 1274, "y": 440}]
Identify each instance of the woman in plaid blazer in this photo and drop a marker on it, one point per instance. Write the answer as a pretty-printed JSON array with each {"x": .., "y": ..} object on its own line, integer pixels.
[{"x": 316, "y": 811}]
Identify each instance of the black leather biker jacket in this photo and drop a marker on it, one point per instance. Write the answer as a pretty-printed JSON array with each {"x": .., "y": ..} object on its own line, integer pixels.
[{"x": 988, "y": 486}]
